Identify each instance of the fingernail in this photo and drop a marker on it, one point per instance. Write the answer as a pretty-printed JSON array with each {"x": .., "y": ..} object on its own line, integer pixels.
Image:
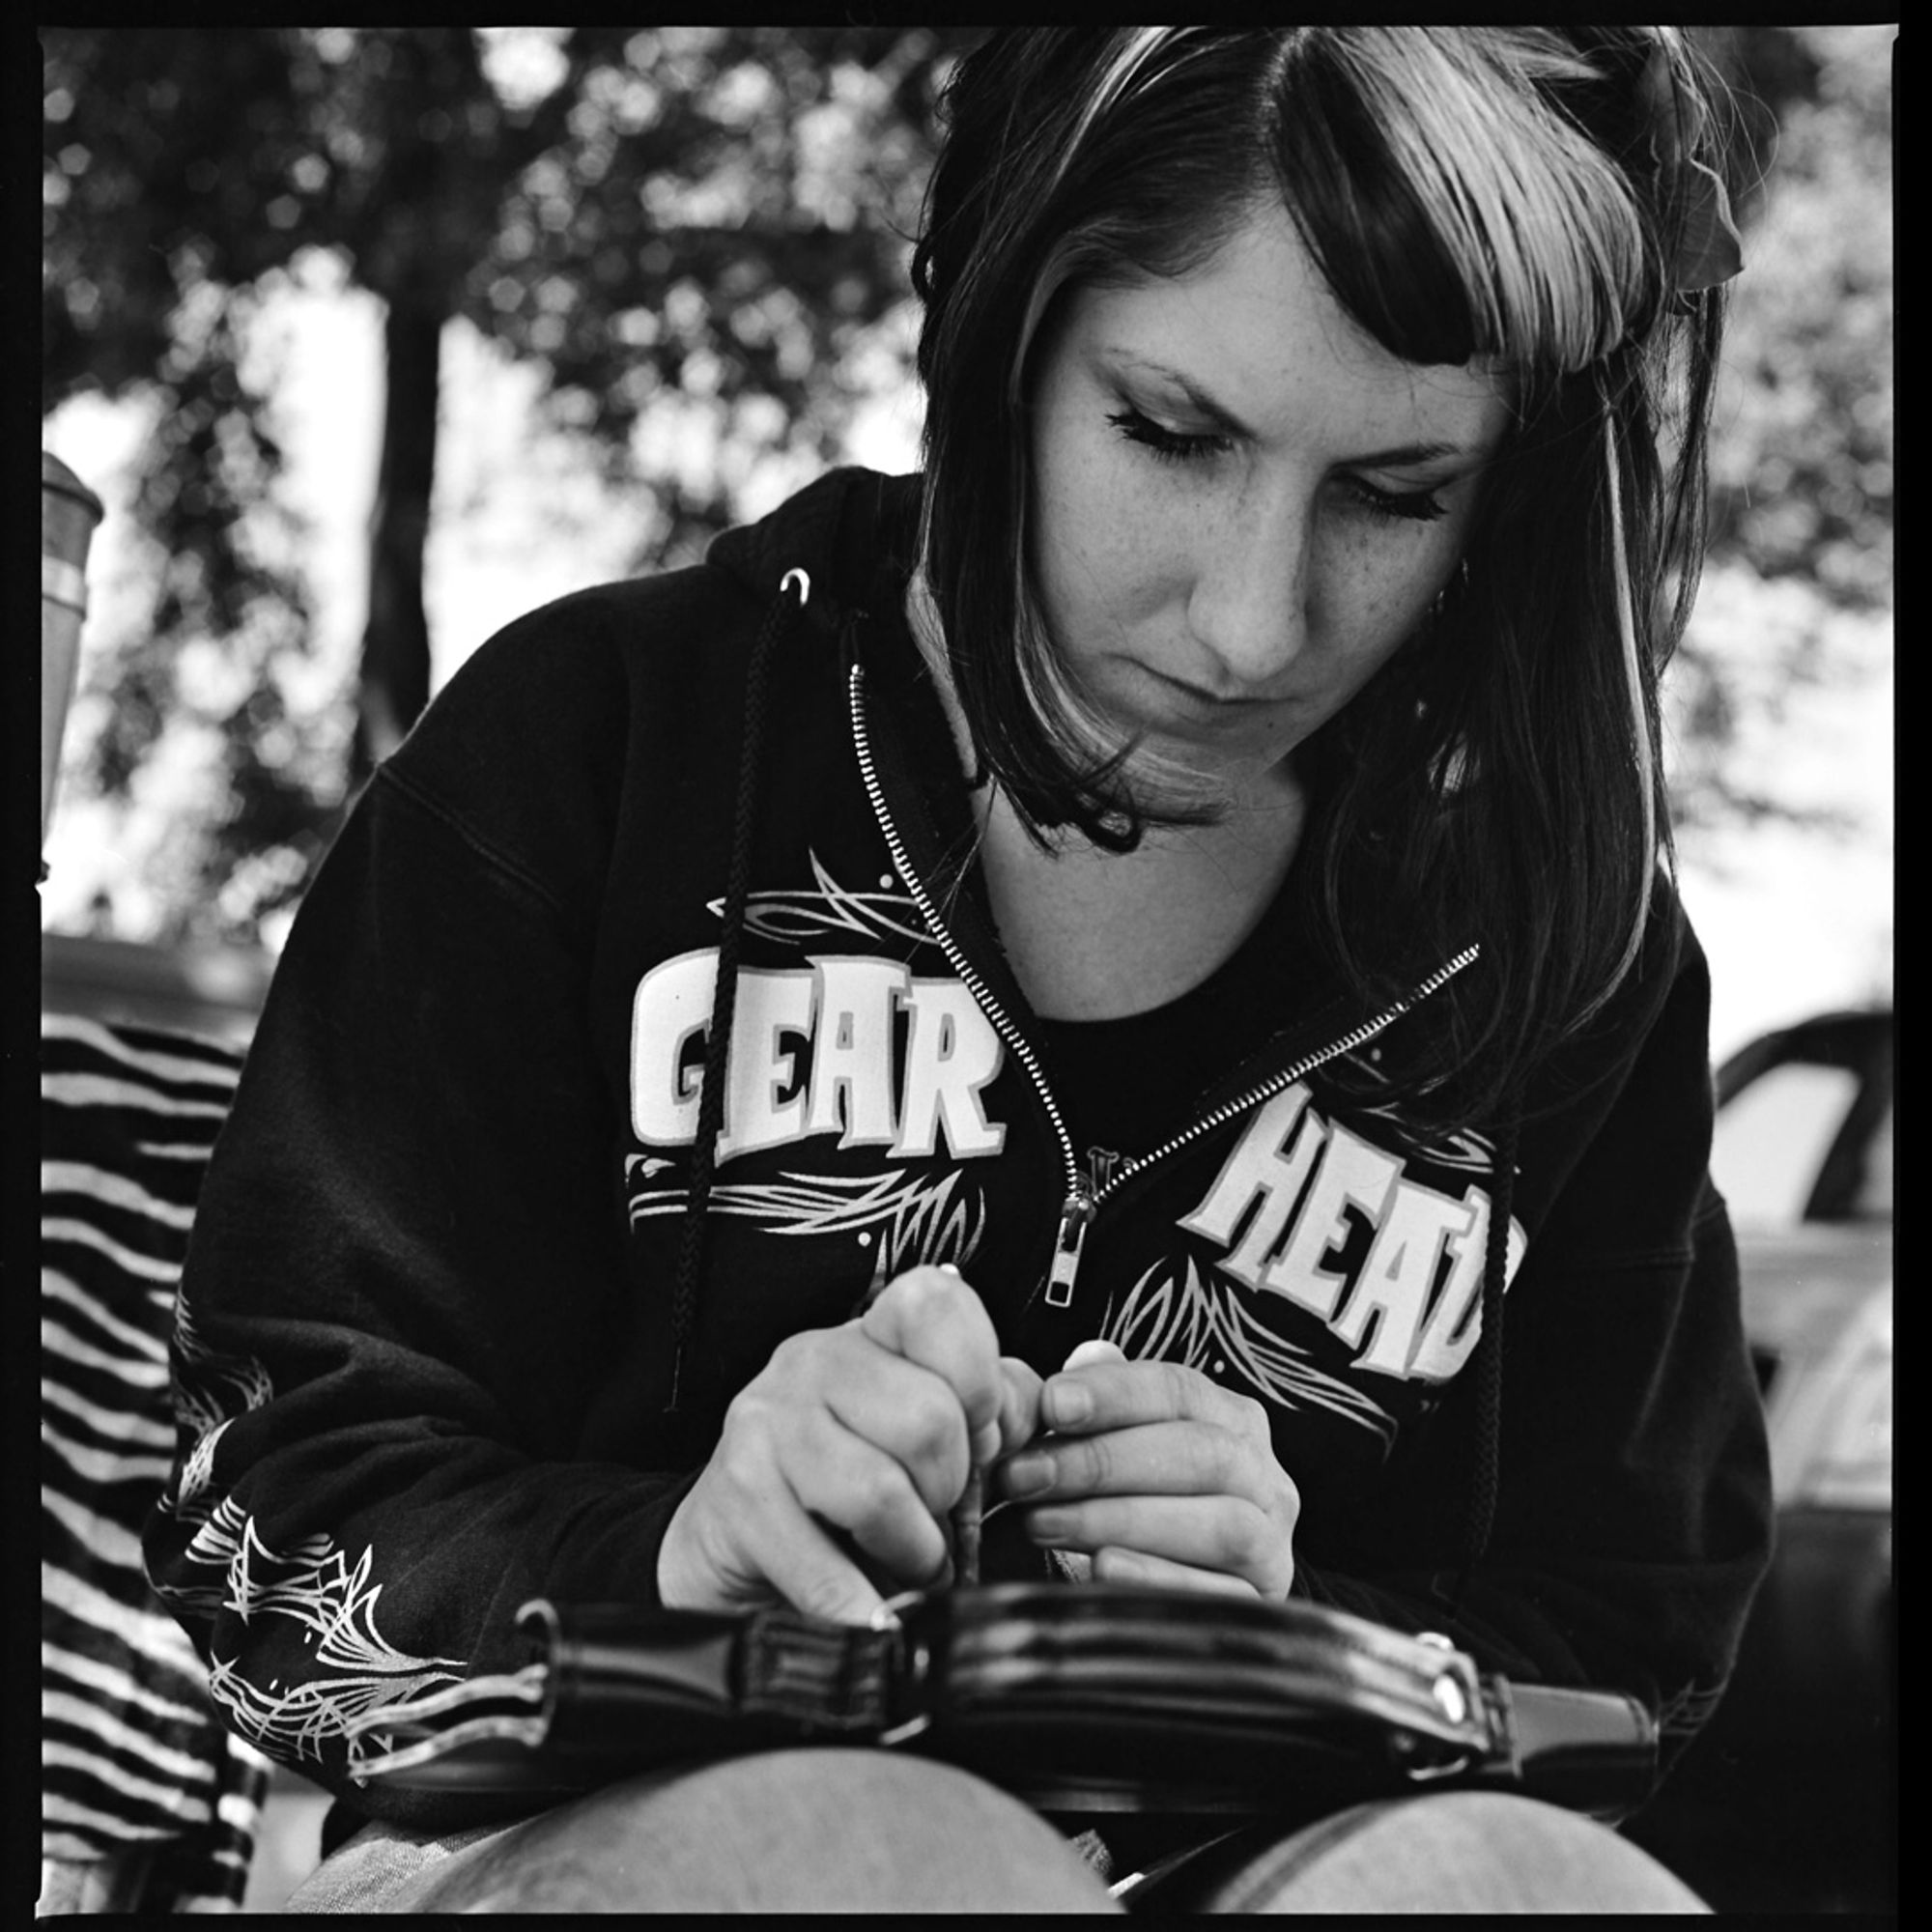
[
  {"x": 1025, "y": 1475},
  {"x": 1048, "y": 1526},
  {"x": 1067, "y": 1402}
]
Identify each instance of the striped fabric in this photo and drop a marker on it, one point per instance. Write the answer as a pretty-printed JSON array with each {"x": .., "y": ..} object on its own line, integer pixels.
[{"x": 148, "y": 1802}]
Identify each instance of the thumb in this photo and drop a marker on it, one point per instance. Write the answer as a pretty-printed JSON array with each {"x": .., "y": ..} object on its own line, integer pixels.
[{"x": 1019, "y": 1410}]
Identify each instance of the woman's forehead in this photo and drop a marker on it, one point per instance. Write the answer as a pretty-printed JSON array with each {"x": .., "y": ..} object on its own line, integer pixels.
[{"x": 1254, "y": 336}]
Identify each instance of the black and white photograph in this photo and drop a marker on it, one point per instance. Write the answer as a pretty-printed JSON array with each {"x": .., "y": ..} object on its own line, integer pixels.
[{"x": 966, "y": 969}]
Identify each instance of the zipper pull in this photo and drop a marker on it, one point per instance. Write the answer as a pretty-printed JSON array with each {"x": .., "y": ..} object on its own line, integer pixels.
[{"x": 1074, "y": 1214}]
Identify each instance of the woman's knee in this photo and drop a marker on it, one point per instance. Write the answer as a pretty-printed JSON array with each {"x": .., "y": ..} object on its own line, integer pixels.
[
  {"x": 1462, "y": 1851},
  {"x": 798, "y": 1830}
]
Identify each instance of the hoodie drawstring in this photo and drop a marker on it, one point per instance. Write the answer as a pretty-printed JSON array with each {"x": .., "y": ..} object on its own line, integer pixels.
[
  {"x": 780, "y": 621},
  {"x": 1488, "y": 1363}
]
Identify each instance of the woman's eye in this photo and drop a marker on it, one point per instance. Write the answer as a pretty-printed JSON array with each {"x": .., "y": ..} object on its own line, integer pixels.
[
  {"x": 1170, "y": 446},
  {"x": 1414, "y": 506},
  {"x": 1173, "y": 445}
]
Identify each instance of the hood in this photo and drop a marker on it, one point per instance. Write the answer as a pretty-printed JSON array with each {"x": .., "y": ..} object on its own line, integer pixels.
[{"x": 854, "y": 532}]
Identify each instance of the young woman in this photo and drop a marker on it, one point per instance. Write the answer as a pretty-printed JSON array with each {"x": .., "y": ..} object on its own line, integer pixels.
[{"x": 1141, "y": 960}]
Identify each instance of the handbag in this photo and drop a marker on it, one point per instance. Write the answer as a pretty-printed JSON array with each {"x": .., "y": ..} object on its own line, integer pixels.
[{"x": 1091, "y": 1698}]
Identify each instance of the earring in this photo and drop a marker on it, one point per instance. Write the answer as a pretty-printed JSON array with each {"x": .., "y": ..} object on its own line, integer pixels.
[{"x": 1457, "y": 588}]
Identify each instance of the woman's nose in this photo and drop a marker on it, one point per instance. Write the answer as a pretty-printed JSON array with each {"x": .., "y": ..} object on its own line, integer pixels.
[{"x": 1248, "y": 606}]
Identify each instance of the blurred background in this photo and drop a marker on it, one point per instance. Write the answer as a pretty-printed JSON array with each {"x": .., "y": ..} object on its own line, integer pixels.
[{"x": 372, "y": 339}]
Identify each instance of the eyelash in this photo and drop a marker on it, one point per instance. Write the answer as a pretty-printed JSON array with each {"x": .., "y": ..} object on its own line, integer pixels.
[{"x": 1167, "y": 445}]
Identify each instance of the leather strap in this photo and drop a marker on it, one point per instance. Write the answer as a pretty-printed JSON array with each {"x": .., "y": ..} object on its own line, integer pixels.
[{"x": 1102, "y": 1697}]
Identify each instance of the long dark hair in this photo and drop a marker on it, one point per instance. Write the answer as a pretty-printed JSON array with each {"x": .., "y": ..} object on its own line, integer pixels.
[{"x": 1526, "y": 195}]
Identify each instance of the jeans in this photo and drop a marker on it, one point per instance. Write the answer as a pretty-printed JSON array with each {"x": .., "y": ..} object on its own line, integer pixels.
[{"x": 867, "y": 1831}]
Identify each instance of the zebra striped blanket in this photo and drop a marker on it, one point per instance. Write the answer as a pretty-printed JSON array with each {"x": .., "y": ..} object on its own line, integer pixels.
[{"x": 137, "y": 1772}]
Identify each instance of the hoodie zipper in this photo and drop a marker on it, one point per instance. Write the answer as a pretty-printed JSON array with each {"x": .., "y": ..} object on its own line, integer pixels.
[
  {"x": 1122, "y": 1171},
  {"x": 1084, "y": 1192},
  {"x": 983, "y": 994}
]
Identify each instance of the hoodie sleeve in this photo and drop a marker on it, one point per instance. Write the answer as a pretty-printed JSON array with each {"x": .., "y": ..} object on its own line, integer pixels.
[
  {"x": 404, "y": 1261},
  {"x": 1634, "y": 1519}
]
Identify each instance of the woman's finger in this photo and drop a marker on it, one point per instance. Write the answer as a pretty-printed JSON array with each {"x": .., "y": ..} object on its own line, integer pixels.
[
  {"x": 807, "y": 1569},
  {"x": 932, "y": 1316},
  {"x": 1113, "y": 1565},
  {"x": 1099, "y": 1395},
  {"x": 743, "y": 1537},
  {"x": 909, "y": 1413},
  {"x": 1180, "y": 1459},
  {"x": 1262, "y": 1561},
  {"x": 1020, "y": 1386},
  {"x": 1225, "y": 1533},
  {"x": 851, "y": 1485},
  {"x": 1095, "y": 1350}
]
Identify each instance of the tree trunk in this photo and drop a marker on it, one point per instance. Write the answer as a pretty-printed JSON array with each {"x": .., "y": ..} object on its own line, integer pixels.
[{"x": 394, "y": 686}]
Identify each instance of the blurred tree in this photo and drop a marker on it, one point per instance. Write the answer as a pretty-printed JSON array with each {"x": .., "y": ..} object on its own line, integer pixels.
[
  {"x": 714, "y": 210},
  {"x": 1801, "y": 557},
  {"x": 709, "y": 219},
  {"x": 1804, "y": 475}
]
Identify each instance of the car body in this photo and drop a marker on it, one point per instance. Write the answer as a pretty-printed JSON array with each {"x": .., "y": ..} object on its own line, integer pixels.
[{"x": 1788, "y": 1800}]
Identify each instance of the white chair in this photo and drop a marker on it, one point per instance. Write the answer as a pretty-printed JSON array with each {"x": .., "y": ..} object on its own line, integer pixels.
[{"x": 148, "y": 1803}]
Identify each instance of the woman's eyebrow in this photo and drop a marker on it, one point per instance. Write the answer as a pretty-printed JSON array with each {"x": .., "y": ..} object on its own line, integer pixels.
[
  {"x": 1224, "y": 418},
  {"x": 1215, "y": 411}
]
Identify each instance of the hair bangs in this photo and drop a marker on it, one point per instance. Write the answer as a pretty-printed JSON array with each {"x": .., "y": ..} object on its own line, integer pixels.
[{"x": 1457, "y": 211}]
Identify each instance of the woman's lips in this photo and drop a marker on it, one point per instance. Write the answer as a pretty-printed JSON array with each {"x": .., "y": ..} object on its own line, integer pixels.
[{"x": 1201, "y": 698}]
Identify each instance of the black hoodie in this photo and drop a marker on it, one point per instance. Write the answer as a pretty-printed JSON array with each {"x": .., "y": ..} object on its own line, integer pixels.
[{"x": 430, "y": 1317}]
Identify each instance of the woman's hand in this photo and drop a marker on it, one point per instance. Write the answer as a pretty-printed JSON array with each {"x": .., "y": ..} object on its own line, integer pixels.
[
  {"x": 868, "y": 1429},
  {"x": 1159, "y": 1474}
]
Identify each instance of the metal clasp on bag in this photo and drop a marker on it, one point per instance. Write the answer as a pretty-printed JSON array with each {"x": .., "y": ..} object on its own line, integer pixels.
[
  {"x": 1456, "y": 1687},
  {"x": 1458, "y": 1694},
  {"x": 911, "y": 1665}
]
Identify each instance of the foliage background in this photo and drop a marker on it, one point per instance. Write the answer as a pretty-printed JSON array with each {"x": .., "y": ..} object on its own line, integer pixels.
[{"x": 372, "y": 338}]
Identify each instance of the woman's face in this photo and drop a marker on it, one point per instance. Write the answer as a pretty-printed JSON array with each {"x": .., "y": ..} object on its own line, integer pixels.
[{"x": 1243, "y": 503}]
